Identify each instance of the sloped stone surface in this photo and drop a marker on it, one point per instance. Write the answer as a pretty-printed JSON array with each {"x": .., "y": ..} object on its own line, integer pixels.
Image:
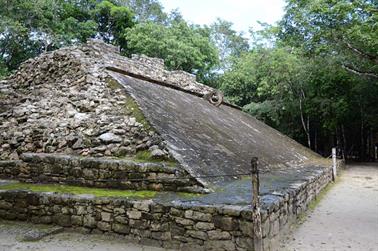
[{"x": 209, "y": 140}]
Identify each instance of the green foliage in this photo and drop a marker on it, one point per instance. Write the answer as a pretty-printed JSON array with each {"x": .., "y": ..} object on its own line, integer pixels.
[
  {"x": 28, "y": 28},
  {"x": 229, "y": 42},
  {"x": 345, "y": 29},
  {"x": 300, "y": 96},
  {"x": 297, "y": 76},
  {"x": 112, "y": 21},
  {"x": 183, "y": 47},
  {"x": 146, "y": 10},
  {"x": 3, "y": 70},
  {"x": 15, "y": 45},
  {"x": 260, "y": 74}
]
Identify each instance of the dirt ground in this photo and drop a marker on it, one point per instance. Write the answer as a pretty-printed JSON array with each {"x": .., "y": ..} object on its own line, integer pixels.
[
  {"x": 13, "y": 235},
  {"x": 346, "y": 218}
]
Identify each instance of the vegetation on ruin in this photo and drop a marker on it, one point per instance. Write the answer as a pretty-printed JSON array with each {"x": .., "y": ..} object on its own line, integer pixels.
[
  {"x": 132, "y": 108},
  {"x": 145, "y": 156},
  {"x": 98, "y": 192},
  {"x": 313, "y": 75}
]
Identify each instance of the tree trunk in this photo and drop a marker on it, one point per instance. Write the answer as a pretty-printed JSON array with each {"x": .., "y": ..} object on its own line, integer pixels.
[
  {"x": 316, "y": 140},
  {"x": 362, "y": 133},
  {"x": 344, "y": 142},
  {"x": 306, "y": 125}
]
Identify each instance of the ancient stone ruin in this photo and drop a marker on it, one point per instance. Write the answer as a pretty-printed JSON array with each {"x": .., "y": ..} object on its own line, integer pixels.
[{"x": 89, "y": 117}]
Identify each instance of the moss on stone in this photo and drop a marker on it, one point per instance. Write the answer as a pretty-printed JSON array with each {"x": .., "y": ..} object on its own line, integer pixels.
[
  {"x": 132, "y": 108},
  {"x": 145, "y": 156},
  {"x": 113, "y": 84},
  {"x": 98, "y": 192}
]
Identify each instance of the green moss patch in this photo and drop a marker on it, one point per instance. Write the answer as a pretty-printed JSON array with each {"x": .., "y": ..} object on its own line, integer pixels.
[
  {"x": 145, "y": 156},
  {"x": 132, "y": 109},
  {"x": 113, "y": 84},
  {"x": 98, "y": 192}
]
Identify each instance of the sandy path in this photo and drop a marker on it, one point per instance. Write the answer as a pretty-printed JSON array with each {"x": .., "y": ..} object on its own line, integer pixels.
[
  {"x": 12, "y": 232},
  {"x": 346, "y": 218}
]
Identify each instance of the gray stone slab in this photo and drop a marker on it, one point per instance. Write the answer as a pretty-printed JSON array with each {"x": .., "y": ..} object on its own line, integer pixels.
[{"x": 209, "y": 140}]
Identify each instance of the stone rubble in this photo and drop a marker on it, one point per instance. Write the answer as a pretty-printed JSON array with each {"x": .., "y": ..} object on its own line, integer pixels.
[{"x": 65, "y": 102}]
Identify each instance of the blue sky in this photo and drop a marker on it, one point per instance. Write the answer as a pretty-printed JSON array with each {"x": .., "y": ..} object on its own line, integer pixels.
[{"x": 243, "y": 13}]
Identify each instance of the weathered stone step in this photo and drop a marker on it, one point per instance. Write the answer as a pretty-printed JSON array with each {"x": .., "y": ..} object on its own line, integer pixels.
[{"x": 98, "y": 172}]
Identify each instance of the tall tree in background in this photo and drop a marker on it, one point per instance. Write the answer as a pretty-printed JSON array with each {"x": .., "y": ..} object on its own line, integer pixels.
[
  {"x": 112, "y": 21},
  {"x": 309, "y": 77},
  {"x": 345, "y": 33},
  {"x": 146, "y": 10},
  {"x": 182, "y": 46},
  {"x": 229, "y": 42},
  {"x": 270, "y": 84},
  {"x": 29, "y": 27},
  {"x": 346, "y": 29}
]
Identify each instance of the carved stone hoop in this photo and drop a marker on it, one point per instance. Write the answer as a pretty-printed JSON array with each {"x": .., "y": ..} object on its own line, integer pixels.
[{"x": 214, "y": 97}]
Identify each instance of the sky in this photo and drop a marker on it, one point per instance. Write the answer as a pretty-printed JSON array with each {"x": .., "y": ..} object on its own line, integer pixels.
[{"x": 243, "y": 13}]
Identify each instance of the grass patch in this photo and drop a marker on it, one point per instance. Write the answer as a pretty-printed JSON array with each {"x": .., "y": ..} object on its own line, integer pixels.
[
  {"x": 145, "y": 156},
  {"x": 98, "y": 192}
]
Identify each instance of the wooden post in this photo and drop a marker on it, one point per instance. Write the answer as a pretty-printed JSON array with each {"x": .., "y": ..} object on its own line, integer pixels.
[
  {"x": 334, "y": 163},
  {"x": 256, "y": 216}
]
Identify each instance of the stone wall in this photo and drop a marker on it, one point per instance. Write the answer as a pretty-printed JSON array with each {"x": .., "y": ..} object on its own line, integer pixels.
[
  {"x": 98, "y": 172},
  {"x": 181, "y": 226}
]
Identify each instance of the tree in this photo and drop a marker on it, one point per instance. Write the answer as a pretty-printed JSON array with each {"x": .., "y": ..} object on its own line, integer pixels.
[
  {"x": 112, "y": 22},
  {"x": 182, "y": 46},
  {"x": 28, "y": 28},
  {"x": 229, "y": 42},
  {"x": 346, "y": 29},
  {"x": 146, "y": 10},
  {"x": 268, "y": 83}
]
